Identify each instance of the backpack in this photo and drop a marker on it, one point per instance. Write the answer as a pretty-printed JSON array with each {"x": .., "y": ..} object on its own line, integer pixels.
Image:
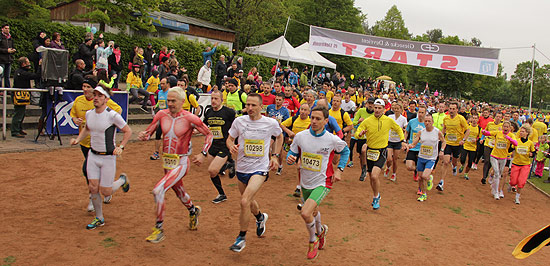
[
  {"x": 342, "y": 112},
  {"x": 293, "y": 120}
]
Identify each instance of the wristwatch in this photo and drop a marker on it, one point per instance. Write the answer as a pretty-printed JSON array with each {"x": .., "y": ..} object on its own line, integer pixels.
[
  {"x": 204, "y": 153},
  {"x": 121, "y": 147},
  {"x": 341, "y": 169},
  {"x": 275, "y": 154}
]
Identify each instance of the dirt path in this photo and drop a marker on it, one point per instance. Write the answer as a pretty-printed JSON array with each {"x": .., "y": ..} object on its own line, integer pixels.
[{"x": 43, "y": 218}]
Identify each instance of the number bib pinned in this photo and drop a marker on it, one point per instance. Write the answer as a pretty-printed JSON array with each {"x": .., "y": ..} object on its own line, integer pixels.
[
  {"x": 162, "y": 104},
  {"x": 471, "y": 139},
  {"x": 254, "y": 147},
  {"x": 170, "y": 161},
  {"x": 523, "y": 150},
  {"x": 492, "y": 143},
  {"x": 217, "y": 132},
  {"x": 452, "y": 137},
  {"x": 373, "y": 155},
  {"x": 426, "y": 150},
  {"x": 501, "y": 144},
  {"x": 312, "y": 161}
]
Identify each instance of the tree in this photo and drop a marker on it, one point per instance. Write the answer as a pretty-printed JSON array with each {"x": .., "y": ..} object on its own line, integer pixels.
[
  {"x": 434, "y": 35},
  {"x": 521, "y": 81},
  {"x": 392, "y": 26},
  {"x": 35, "y": 9},
  {"x": 122, "y": 13}
]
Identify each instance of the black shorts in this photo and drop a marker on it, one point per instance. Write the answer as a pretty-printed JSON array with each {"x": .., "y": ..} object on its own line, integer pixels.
[
  {"x": 218, "y": 151},
  {"x": 244, "y": 178},
  {"x": 359, "y": 143},
  {"x": 454, "y": 150},
  {"x": 381, "y": 159},
  {"x": 394, "y": 145},
  {"x": 412, "y": 156}
]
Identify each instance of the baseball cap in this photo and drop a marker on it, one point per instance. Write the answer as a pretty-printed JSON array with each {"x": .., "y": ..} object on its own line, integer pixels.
[
  {"x": 241, "y": 71},
  {"x": 379, "y": 102},
  {"x": 371, "y": 100},
  {"x": 102, "y": 91},
  {"x": 90, "y": 82},
  {"x": 234, "y": 82}
]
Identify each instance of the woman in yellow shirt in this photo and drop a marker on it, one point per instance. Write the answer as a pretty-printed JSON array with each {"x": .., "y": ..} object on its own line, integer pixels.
[
  {"x": 522, "y": 162},
  {"x": 135, "y": 86},
  {"x": 503, "y": 139},
  {"x": 470, "y": 145}
]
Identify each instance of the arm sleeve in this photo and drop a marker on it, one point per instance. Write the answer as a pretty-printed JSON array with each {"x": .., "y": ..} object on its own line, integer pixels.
[{"x": 344, "y": 156}]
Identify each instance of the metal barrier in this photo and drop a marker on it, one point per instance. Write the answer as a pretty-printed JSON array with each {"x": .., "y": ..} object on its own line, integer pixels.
[{"x": 5, "y": 104}]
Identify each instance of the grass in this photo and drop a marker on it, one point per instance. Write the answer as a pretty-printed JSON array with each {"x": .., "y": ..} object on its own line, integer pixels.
[
  {"x": 232, "y": 185},
  {"x": 8, "y": 260},
  {"x": 538, "y": 182},
  {"x": 348, "y": 238},
  {"x": 456, "y": 210},
  {"x": 482, "y": 212},
  {"x": 109, "y": 242}
]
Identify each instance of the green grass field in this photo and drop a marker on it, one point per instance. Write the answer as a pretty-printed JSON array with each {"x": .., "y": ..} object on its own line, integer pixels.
[{"x": 539, "y": 182}]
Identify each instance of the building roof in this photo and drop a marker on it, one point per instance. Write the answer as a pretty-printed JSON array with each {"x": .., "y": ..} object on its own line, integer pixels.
[{"x": 189, "y": 20}]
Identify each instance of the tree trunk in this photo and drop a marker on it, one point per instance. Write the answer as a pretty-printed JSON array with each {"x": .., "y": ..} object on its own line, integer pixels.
[{"x": 102, "y": 26}]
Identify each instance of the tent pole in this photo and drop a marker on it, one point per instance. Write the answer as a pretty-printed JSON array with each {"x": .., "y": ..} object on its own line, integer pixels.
[
  {"x": 312, "y": 74},
  {"x": 281, "y": 49},
  {"x": 532, "y": 76}
]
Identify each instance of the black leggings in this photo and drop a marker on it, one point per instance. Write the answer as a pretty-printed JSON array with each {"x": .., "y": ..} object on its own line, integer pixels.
[
  {"x": 85, "y": 151},
  {"x": 471, "y": 156},
  {"x": 480, "y": 150},
  {"x": 487, "y": 163},
  {"x": 352, "y": 142}
]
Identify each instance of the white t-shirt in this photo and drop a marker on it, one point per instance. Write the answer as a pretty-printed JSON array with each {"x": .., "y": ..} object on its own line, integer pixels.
[
  {"x": 316, "y": 153},
  {"x": 428, "y": 144},
  {"x": 348, "y": 106},
  {"x": 402, "y": 122},
  {"x": 254, "y": 138},
  {"x": 102, "y": 128}
]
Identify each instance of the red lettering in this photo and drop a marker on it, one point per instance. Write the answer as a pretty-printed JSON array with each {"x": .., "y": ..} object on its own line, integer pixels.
[
  {"x": 349, "y": 47},
  {"x": 373, "y": 53},
  {"x": 449, "y": 62},
  {"x": 400, "y": 57},
  {"x": 424, "y": 59}
]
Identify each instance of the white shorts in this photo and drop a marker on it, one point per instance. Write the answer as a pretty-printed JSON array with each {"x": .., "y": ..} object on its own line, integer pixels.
[{"x": 102, "y": 167}]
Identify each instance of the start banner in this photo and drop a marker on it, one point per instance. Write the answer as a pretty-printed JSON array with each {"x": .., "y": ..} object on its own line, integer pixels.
[{"x": 469, "y": 59}]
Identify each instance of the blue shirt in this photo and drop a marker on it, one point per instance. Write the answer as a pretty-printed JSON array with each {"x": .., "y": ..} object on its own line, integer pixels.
[
  {"x": 332, "y": 125},
  {"x": 414, "y": 127},
  {"x": 280, "y": 115},
  {"x": 519, "y": 122},
  {"x": 208, "y": 55},
  {"x": 293, "y": 78},
  {"x": 162, "y": 96}
]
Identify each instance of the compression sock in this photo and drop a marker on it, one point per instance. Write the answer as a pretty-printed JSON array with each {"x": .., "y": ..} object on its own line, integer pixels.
[
  {"x": 259, "y": 216},
  {"x": 311, "y": 229},
  {"x": 98, "y": 204},
  {"x": 218, "y": 184},
  {"x": 242, "y": 234},
  {"x": 117, "y": 184},
  {"x": 318, "y": 224}
]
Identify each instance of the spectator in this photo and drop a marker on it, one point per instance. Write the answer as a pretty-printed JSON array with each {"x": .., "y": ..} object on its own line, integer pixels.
[
  {"x": 207, "y": 54},
  {"x": 56, "y": 41},
  {"x": 254, "y": 73},
  {"x": 22, "y": 79},
  {"x": 115, "y": 64},
  {"x": 40, "y": 40},
  {"x": 148, "y": 59},
  {"x": 293, "y": 77},
  {"x": 205, "y": 74},
  {"x": 303, "y": 78},
  {"x": 163, "y": 53},
  {"x": 220, "y": 71},
  {"x": 6, "y": 54},
  {"x": 132, "y": 55},
  {"x": 104, "y": 79},
  {"x": 164, "y": 67},
  {"x": 77, "y": 76},
  {"x": 135, "y": 86},
  {"x": 138, "y": 60},
  {"x": 102, "y": 54},
  {"x": 240, "y": 63},
  {"x": 152, "y": 86},
  {"x": 259, "y": 82},
  {"x": 86, "y": 52}
]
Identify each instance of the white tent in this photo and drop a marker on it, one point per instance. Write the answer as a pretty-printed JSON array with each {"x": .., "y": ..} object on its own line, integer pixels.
[
  {"x": 273, "y": 48},
  {"x": 318, "y": 60}
]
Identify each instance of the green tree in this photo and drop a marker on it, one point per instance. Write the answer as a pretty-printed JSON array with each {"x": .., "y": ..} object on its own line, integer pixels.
[
  {"x": 122, "y": 13},
  {"x": 434, "y": 35},
  {"x": 33, "y": 9},
  {"x": 392, "y": 26},
  {"x": 521, "y": 82}
]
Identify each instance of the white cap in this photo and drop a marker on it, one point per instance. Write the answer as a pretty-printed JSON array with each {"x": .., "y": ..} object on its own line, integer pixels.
[
  {"x": 102, "y": 91},
  {"x": 385, "y": 96},
  {"x": 379, "y": 102}
]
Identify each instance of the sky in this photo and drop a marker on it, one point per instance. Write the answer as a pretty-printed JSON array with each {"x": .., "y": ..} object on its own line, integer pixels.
[{"x": 497, "y": 23}]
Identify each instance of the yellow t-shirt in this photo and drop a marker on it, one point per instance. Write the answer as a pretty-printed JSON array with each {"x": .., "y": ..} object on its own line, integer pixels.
[
  {"x": 522, "y": 152},
  {"x": 501, "y": 144},
  {"x": 490, "y": 140},
  {"x": 330, "y": 94},
  {"x": 299, "y": 124},
  {"x": 191, "y": 99},
  {"x": 153, "y": 84},
  {"x": 133, "y": 81},
  {"x": 454, "y": 129},
  {"x": 471, "y": 142},
  {"x": 357, "y": 99},
  {"x": 540, "y": 127},
  {"x": 81, "y": 105},
  {"x": 378, "y": 131},
  {"x": 338, "y": 116}
]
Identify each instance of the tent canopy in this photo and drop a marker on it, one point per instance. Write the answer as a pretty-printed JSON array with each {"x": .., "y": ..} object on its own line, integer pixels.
[
  {"x": 318, "y": 59},
  {"x": 272, "y": 49}
]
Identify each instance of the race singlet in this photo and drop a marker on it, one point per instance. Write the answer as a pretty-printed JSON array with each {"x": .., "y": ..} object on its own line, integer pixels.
[
  {"x": 501, "y": 144},
  {"x": 373, "y": 155},
  {"x": 254, "y": 147},
  {"x": 217, "y": 132},
  {"x": 523, "y": 150},
  {"x": 426, "y": 150},
  {"x": 170, "y": 161},
  {"x": 312, "y": 161}
]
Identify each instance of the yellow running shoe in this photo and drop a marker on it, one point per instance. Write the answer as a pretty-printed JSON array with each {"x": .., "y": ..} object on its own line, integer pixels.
[
  {"x": 194, "y": 218},
  {"x": 430, "y": 183},
  {"x": 156, "y": 236}
]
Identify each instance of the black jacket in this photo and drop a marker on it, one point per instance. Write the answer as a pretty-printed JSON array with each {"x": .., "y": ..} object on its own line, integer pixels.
[
  {"x": 23, "y": 76},
  {"x": 148, "y": 56},
  {"x": 5, "y": 57},
  {"x": 87, "y": 55},
  {"x": 76, "y": 78},
  {"x": 112, "y": 62},
  {"x": 221, "y": 69}
]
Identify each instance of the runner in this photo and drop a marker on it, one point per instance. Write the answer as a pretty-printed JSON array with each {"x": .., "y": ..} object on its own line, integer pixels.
[
  {"x": 177, "y": 128},
  {"x": 456, "y": 132},
  {"x": 470, "y": 146},
  {"x": 414, "y": 126},
  {"x": 429, "y": 139},
  {"x": 161, "y": 105},
  {"x": 254, "y": 133},
  {"x": 503, "y": 139},
  {"x": 362, "y": 114},
  {"x": 280, "y": 113},
  {"x": 394, "y": 144},
  {"x": 316, "y": 147},
  {"x": 101, "y": 124},
  {"x": 489, "y": 142},
  {"x": 233, "y": 98},
  {"x": 342, "y": 118},
  {"x": 484, "y": 119},
  {"x": 377, "y": 130},
  {"x": 81, "y": 105},
  {"x": 219, "y": 120}
]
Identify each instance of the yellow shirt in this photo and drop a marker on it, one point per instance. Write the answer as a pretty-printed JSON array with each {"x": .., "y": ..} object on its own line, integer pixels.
[
  {"x": 540, "y": 127},
  {"x": 454, "y": 129},
  {"x": 80, "y": 106},
  {"x": 299, "y": 124},
  {"x": 191, "y": 99},
  {"x": 378, "y": 131},
  {"x": 471, "y": 142},
  {"x": 522, "y": 152},
  {"x": 338, "y": 116},
  {"x": 153, "y": 84},
  {"x": 133, "y": 81},
  {"x": 490, "y": 140},
  {"x": 500, "y": 150},
  {"x": 330, "y": 94},
  {"x": 357, "y": 99}
]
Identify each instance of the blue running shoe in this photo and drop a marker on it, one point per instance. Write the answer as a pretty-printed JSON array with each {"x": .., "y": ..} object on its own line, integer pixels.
[
  {"x": 95, "y": 223},
  {"x": 239, "y": 244},
  {"x": 260, "y": 225},
  {"x": 376, "y": 203}
]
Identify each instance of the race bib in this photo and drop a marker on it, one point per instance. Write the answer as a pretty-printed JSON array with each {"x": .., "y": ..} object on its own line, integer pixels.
[
  {"x": 393, "y": 134},
  {"x": 426, "y": 150},
  {"x": 471, "y": 139},
  {"x": 523, "y": 150},
  {"x": 170, "y": 161},
  {"x": 501, "y": 144},
  {"x": 264, "y": 109},
  {"x": 162, "y": 104},
  {"x": 254, "y": 147},
  {"x": 373, "y": 155},
  {"x": 492, "y": 143},
  {"x": 217, "y": 132},
  {"x": 452, "y": 137},
  {"x": 312, "y": 161}
]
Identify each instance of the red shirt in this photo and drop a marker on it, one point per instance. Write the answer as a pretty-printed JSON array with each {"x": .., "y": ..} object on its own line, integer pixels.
[
  {"x": 268, "y": 99},
  {"x": 484, "y": 121},
  {"x": 291, "y": 104}
]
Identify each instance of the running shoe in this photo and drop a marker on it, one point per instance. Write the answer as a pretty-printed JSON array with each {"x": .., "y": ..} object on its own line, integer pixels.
[
  {"x": 430, "y": 183},
  {"x": 156, "y": 236},
  {"x": 107, "y": 199},
  {"x": 260, "y": 225},
  {"x": 155, "y": 156},
  {"x": 483, "y": 181},
  {"x": 517, "y": 198},
  {"x": 466, "y": 176},
  {"x": 313, "y": 251},
  {"x": 415, "y": 177},
  {"x": 501, "y": 194},
  {"x": 376, "y": 202},
  {"x": 440, "y": 185},
  {"x": 495, "y": 195},
  {"x": 454, "y": 170},
  {"x": 363, "y": 175},
  {"x": 474, "y": 166},
  {"x": 419, "y": 192},
  {"x": 95, "y": 223},
  {"x": 350, "y": 164},
  {"x": 219, "y": 198},
  {"x": 514, "y": 189},
  {"x": 393, "y": 177},
  {"x": 279, "y": 170},
  {"x": 323, "y": 236},
  {"x": 231, "y": 170},
  {"x": 126, "y": 185},
  {"x": 461, "y": 169},
  {"x": 297, "y": 193},
  {"x": 387, "y": 172},
  {"x": 90, "y": 206},
  {"x": 194, "y": 218},
  {"x": 239, "y": 244},
  {"x": 422, "y": 197}
]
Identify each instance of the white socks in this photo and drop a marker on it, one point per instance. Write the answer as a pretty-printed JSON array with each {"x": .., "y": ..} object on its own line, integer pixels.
[
  {"x": 311, "y": 229},
  {"x": 318, "y": 224}
]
